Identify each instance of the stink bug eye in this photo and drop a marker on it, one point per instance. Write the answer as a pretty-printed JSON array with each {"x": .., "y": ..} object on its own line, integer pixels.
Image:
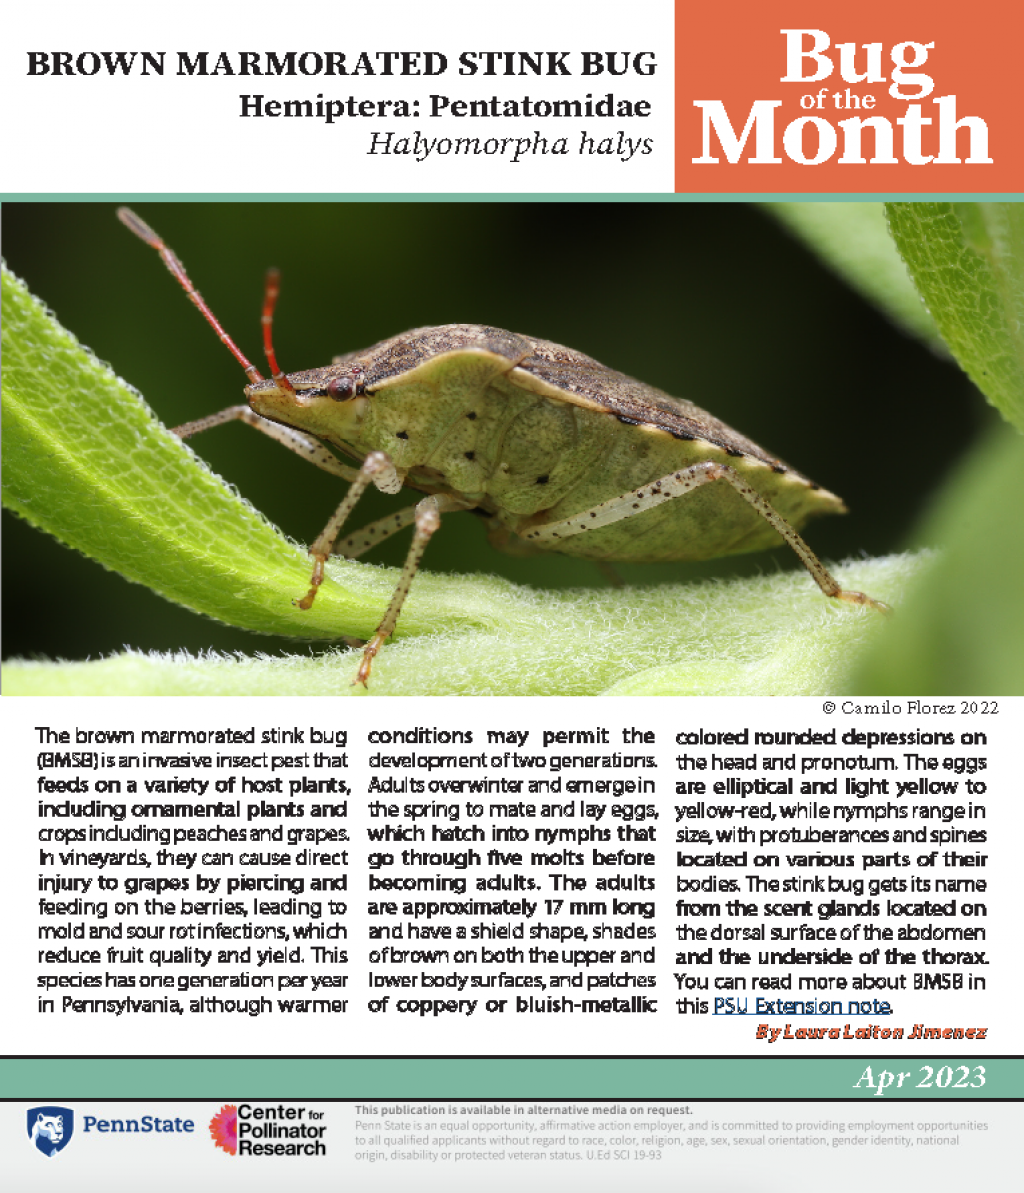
[{"x": 343, "y": 389}]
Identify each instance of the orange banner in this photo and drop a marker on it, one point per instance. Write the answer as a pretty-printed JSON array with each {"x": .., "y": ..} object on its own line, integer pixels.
[{"x": 796, "y": 96}]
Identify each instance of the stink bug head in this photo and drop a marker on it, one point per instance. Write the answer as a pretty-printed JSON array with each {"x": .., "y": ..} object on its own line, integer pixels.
[{"x": 329, "y": 403}]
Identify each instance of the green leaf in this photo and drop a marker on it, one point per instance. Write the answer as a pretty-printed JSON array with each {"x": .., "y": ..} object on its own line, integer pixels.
[
  {"x": 967, "y": 259},
  {"x": 86, "y": 460},
  {"x": 854, "y": 240},
  {"x": 771, "y": 634},
  {"x": 961, "y": 630}
]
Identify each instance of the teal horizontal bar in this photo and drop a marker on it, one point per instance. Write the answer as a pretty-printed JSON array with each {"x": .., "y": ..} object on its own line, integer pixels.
[{"x": 56, "y": 1079}]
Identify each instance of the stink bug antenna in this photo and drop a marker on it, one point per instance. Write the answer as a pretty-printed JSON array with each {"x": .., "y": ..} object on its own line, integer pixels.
[
  {"x": 270, "y": 293},
  {"x": 144, "y": 232}
]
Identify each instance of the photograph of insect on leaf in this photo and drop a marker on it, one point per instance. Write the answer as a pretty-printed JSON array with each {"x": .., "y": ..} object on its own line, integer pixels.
[{"x": 505, "y": 498}]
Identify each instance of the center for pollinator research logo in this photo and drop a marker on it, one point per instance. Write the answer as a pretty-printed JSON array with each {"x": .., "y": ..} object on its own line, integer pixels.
[{"x": 281, "y": 1130}]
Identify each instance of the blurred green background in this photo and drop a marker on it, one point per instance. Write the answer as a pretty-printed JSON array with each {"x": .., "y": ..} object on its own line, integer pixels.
[{"x": 712, "y": 302}]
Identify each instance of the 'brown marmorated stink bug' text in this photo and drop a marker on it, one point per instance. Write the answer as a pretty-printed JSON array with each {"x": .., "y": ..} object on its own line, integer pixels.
[{"x": 559, "y": 452}]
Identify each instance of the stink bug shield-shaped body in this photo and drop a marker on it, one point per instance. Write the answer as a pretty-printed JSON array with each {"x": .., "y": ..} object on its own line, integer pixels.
[{"x": 559, "y": 452}]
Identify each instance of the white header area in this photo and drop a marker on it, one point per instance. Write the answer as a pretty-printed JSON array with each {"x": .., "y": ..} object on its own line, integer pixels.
[{"x": 546, "y": 96}]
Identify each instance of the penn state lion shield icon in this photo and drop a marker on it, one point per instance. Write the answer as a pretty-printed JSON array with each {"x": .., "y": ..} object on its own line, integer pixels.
[{"x": 50, "y": 1128}]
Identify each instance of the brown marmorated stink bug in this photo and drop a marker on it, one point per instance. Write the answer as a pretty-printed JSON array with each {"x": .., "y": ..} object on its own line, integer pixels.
[{"x": 559, "y": 452}]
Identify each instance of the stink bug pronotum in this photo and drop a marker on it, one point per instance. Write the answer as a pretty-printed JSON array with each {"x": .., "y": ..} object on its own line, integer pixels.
[{"x": 557, "y": 451}]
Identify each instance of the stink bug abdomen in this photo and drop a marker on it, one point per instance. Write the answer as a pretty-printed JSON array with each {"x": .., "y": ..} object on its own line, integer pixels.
[{"x": 535, "y": 433}]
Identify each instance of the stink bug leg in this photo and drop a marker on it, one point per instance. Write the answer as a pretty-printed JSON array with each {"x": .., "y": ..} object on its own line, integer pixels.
[
  {"x": 379, "y": 470},
  {"x": 428, "y": 519},
  {"x": 678, "y": 484},
  {"x": 303, "y": 445}
]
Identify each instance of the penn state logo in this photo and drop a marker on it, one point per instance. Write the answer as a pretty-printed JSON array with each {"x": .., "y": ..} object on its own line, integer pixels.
[{"x": 50, "y": 1128}]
